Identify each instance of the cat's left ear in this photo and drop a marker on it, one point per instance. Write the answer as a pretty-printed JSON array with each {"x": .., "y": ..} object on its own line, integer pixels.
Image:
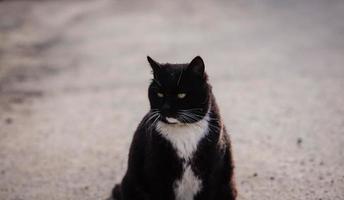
[
  {"x": 196, "y": 66},
  {"x": 154, "y": 65}
]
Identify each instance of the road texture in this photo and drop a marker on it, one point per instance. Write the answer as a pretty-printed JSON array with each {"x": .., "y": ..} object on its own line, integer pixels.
[{"x": 73, "y": 82}]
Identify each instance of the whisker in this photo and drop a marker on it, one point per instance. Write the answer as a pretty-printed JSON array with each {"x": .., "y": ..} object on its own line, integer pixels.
[
  {"x": 180, "y": 77},
  {"x": 151, "y": 115},
  {"x": 150, "y": 118},
  {"x": 189, "y": 116},
  {"x": 157, "y": 82},
  {"x": 212, "y": 118},
  {"x": 197, "y": 117},
  {"x": 152, "y": 125},
  {"x": 191, "y": 109}
]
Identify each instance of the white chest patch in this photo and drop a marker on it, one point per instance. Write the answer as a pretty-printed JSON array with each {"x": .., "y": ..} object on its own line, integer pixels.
[
  {"x": 188, "y": 186},
  {"x": 184, "y": 137}
]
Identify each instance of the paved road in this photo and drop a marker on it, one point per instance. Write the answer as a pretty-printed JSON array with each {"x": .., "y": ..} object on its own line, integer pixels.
[{"x": 73, "y": 81}]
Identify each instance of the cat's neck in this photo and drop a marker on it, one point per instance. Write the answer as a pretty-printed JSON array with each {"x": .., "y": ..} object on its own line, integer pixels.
[{"x": 185, "y": 137}]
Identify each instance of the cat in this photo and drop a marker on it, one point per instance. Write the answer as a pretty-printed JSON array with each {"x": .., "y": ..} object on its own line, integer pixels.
[{"x": 181, "y": 149}]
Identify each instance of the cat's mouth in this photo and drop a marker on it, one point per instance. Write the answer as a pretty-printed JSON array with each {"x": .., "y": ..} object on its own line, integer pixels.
[{"x": 171, "y": 120}]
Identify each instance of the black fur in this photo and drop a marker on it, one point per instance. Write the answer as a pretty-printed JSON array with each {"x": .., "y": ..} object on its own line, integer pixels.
[{"x": 153, "y": 164}]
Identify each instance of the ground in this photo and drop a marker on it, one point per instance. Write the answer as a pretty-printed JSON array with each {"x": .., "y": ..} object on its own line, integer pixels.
[{"x": 74, "y": 77}]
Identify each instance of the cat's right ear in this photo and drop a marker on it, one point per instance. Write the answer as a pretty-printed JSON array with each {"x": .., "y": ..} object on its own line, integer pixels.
[{"x": 154, "y": 65}]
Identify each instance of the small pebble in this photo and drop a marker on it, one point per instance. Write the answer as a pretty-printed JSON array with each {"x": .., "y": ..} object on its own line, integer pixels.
[
  {"x": 9, "y": 120},
  {"x": 272, "y": 178},
  {"x": 255, "y": 174},
  {"x": 299, "y": 141}
]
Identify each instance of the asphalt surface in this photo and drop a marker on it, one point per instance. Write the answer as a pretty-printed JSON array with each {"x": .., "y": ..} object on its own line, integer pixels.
[{"x": 73, "y": 82}]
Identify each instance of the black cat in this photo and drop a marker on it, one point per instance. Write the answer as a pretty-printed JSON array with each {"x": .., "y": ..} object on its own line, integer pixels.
[{"x": 180, "y": 150}]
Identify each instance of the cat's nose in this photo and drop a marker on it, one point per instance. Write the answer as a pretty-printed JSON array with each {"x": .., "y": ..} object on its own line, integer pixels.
[{"x": 165, "y": 109}]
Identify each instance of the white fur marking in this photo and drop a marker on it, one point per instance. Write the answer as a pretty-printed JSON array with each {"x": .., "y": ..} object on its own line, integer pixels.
[
  {"x": 184, "y": 137},
  {"x": 188, "y": 186}
]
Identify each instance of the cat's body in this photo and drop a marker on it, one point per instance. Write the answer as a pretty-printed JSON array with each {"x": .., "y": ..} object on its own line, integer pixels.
[{"x": 181, "y": 154}]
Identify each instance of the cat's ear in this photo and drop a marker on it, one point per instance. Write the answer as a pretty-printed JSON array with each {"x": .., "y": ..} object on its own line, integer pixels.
[
  {"x": 196, "y": 66},
  {"x": 154, "y": 65}
]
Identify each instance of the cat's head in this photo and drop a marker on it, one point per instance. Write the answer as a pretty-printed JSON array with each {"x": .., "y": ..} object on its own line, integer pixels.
[{"x": 179, "y": 93}]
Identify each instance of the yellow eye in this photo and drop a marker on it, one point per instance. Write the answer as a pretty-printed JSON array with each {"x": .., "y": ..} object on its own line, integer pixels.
[
  {"x": 181, "y": 95},
  {"x": 160, "y": 94}
]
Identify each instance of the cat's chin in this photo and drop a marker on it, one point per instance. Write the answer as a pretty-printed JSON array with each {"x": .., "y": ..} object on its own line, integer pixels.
[
  {"x": 175, "y": 122},
  {"x": 171, "y": 120}
]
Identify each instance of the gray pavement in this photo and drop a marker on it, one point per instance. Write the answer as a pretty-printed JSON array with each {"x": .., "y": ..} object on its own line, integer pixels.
[{"x": 73, "y": 81}]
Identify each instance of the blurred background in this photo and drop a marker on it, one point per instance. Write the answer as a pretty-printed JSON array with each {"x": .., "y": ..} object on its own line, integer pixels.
[{"x": 74, "y": 76}]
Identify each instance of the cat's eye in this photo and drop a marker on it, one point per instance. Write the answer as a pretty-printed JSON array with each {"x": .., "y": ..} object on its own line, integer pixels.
[
  {"x": 181, "y": 95},
  {"x": 160, "y": 94}
]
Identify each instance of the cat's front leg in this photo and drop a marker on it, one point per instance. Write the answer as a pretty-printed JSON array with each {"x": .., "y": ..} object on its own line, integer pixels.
[{"x": 131, "y": 189}]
